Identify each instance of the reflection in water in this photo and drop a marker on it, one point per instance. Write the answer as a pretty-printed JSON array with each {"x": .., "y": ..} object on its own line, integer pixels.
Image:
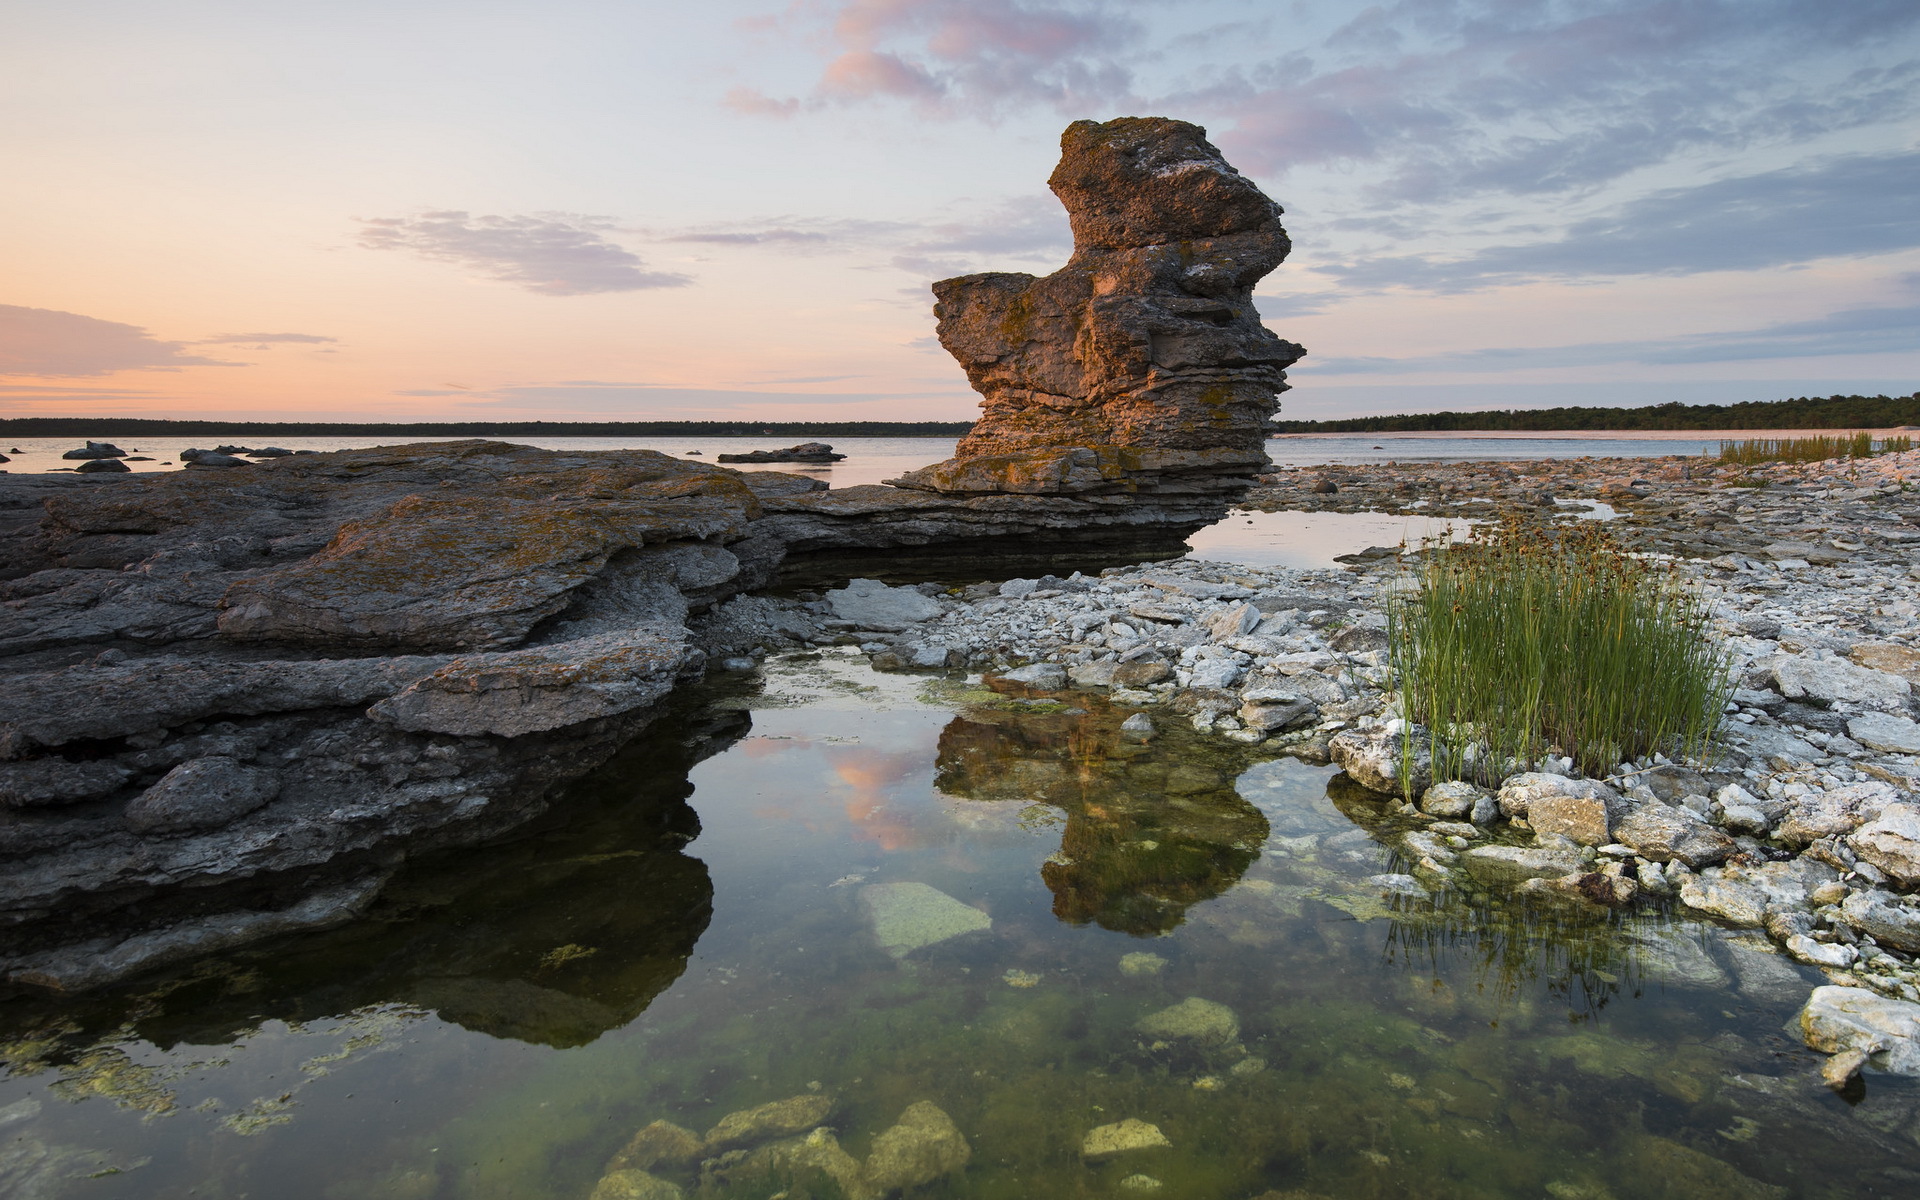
[
  {"x": 1310, "y": 1021},
  {"x": 1151, "y": 830}
]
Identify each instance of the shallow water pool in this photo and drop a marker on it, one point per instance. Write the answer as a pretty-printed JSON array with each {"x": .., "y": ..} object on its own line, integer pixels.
[{"x": 874, "y": 891}]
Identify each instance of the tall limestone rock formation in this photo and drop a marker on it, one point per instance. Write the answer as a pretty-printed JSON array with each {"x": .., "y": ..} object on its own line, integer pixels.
[{"x": 1141, "y": 367}]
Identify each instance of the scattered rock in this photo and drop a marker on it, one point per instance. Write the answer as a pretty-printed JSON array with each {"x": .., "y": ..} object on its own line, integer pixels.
[
  {"x": 1891, "y": 842},
  {"x": 921, "y": 1147},
  {"x": 1888, "y": 920},
  {"x": 1664, "y": 833},
  {"x": 1886, "y": 1031},
  {"x": 1202, "y": 1022},
  {"x": 1453, "y": 798},
  {"x": 1884, "y": 731},
  {"x": 873, "y": 605},
  {"x": 1045, "y": 677},
  {"x": 660, "y": 1144},
  {"x": 781, "y": 1118},
  {"x": 1122, "y": 1137},
  {"x": 1826, "y": 677},
  {"x": 1386, "y": 758},
  {"x": 1833, "y": 813}
]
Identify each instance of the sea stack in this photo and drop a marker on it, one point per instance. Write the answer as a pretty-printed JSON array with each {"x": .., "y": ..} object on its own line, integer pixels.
[{"x": 1141, "y": 367}]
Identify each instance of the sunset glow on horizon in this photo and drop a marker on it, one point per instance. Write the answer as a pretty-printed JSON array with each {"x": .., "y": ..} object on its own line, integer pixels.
[{"x": 590, "y": 210}]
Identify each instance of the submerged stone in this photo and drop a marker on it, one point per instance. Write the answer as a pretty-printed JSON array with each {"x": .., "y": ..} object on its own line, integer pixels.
[
  {"x": 1142, "y": 962},
  {"x": 635, "y": 1185},
  {"x": 661, "y": 1143},
  {"x": 1122, "y": 1137},
  {"x": 920, "y": 1148},
  {"x": 907, "y": 916},
  {"x": 782, "y": 1118},
  {"x": 1192, "y": 1020}
]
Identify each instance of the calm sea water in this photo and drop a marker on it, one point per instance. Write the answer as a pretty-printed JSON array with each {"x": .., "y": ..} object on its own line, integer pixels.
[
  {"x": 725, "y": 916},
  {"x": 870, "y": 460}
]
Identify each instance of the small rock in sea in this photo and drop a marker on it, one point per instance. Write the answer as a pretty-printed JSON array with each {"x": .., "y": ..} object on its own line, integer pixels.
[
  {"x": 782, "y": 1118},
  {"x": 1015, "y": 977},
  {"x": 738, "y": 664},
  {"x": 1192, "y": 1020},
  {"x": 907, "y": 916},
  {"x": 1140, "y": 1183},
  {"x": 920, "y": 1148},
  {"x": 1137, "y": 728},
  {"x": 1121, "y": 1137},
  {"x": 1142, "y": 962},
  {"x": 103, "y": 466},
  {"x": 93, "y": 451}
]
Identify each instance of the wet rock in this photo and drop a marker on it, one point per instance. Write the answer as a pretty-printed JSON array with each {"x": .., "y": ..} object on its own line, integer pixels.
[
  {"x": 1885, "y": 732},
  {"x": 203, "y": 793},
  {"x": 907, "y": 916},
  {"x": 210, "y": 458},
  {"x": 1122, "y": 1137},
  {"x": 660, "y": 1144},
  {"x": 1763, "y": 973},
  {"x": 1682, "y": 1173},
  {"x": 1142, "y": 962},
  {"x": 922, "y": 1146},
  {"x": 1826, "y": 677},
  {"x": 48, "y": 782},
  {"x": 781, "y": 1118},
  {"x": 1141, "y": 366},
  {"x": 1835, "y": 812},
  {"x": 1047, "y": 677},
  {"x": 1664, "y": 833},
  {"x": 1596, "y": 887},
  {"x": 1890, "y": 920},
  {"x": 1512, "y": 864},
  {"x": 1452, "y": 798},
  {"x": 1137, "y": 728},
  {"x": 103, "y": 466},
  {"x": 1386, "y": 758},
  {"x": 634, "y": 1185},
  {"x": 1840, "y": 1019},
  {"x": 1745, "y": 895},
  {"x": 1891, "y": 842},
  {"x": 872, "y": 604},
  {"x": 1111, "y": 673},
  {"x": 1202, "y": 1022}
]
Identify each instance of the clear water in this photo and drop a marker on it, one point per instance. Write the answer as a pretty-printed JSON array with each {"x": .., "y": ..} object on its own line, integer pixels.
[{"x": 687, "y": 936}]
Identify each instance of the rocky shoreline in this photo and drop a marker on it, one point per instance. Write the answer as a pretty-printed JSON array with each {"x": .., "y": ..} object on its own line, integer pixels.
[{"x": 1804, "y": 823}]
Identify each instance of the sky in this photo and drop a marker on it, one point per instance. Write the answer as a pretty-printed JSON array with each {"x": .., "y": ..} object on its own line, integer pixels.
[{"x": 599, "y": 210}]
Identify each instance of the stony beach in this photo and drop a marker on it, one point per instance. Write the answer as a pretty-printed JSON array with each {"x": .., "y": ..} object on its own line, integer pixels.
[{"x": 1803, "y": 822}]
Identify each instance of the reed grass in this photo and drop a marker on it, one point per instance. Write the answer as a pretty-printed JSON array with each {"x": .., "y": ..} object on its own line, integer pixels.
[
  {"x": 1753, "y": 451},
  {"x": 1526, "y": 641}
]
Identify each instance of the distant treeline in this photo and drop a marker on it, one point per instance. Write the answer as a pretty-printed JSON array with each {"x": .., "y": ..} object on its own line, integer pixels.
[
  {"x": 103, "y": 427},
  {"x": 1806, "y": 412}
]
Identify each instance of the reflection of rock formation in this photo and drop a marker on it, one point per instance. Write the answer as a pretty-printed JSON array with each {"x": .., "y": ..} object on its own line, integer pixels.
[
  {"x": 1151, "y": 830},
  {"x": 555, "y": 937},
  {"x": 1141, "y": 366}
]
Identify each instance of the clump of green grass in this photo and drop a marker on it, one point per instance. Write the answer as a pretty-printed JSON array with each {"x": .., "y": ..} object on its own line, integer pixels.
[
  {"x": 1525, "y": 641},
  {"x": 1754, "y": 451}
]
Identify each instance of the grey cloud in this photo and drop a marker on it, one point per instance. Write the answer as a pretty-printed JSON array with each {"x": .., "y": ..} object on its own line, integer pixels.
[
  {"x": 553, "y": 254},
  {"x": 797, "y": 234},
  {"x": 265, "y": 339},
  {"x": 1841, "y": 207},
  {"x": 44, "y": 341},
  {"x": 1856, "y": 331},
  {"x": 640, "y": 401}
]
